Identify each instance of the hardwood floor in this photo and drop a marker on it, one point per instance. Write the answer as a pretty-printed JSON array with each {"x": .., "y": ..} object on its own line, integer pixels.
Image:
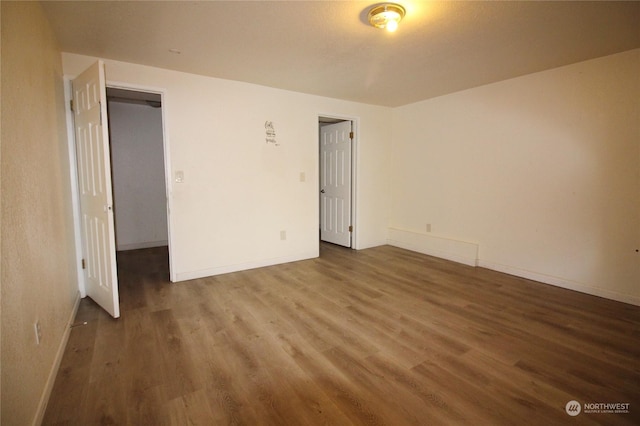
[{"x": 378, "y": 336}]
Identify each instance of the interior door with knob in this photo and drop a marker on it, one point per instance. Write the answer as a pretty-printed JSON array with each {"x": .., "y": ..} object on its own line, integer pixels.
[
  {"x": 335, "y": 183},
  {"x": 94, "y": 182}
]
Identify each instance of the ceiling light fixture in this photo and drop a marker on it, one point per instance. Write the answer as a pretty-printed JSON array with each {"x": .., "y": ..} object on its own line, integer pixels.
[{"x": 386, "y": 16}]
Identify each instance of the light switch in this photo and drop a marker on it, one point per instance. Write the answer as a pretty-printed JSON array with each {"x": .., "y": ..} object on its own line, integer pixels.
[
  {"x": 179, "y": 176},
  {"x": 303, "y": 177}
]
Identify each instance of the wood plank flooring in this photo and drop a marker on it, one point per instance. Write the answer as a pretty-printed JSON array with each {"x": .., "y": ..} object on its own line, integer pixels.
[{"x": 371, "y": 337}]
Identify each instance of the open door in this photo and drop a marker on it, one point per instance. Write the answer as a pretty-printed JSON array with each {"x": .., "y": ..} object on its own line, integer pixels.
[
  {"x": 94, "y": 181},
  {"x": 335, "y": 183}
]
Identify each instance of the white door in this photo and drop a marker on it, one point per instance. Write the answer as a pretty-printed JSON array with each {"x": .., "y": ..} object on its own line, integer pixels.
[
  {"x": 335, "y": 183},
  {"x": 94, "y": 180}
]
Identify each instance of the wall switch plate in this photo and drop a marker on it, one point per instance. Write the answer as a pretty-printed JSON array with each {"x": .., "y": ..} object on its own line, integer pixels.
[
  {"x": 38, "y": 330},
  {"x": 179, "y": 176},
  {"x": 303, "y": 177},
  {"x": 428, "y": 227},
  {"x": 283, "y": 235}
]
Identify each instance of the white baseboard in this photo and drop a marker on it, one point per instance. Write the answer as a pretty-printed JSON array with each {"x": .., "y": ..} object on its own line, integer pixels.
[
  {"x": 191, "y": 275},
  {"x": 444, "y": 248},
  {"x": 44, "y": 399},
  {"x": 467, "y": 253},
  {"x": 561, "y": 282},
  {"x": 147, "y": 244}
]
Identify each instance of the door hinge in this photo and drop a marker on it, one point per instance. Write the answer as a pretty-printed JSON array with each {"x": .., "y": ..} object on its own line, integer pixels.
[
  {"x": 71, "y": 104},
  {"x": 350, "y": 135},
  {"x": 100, "y": 105},
  {"x": 350, "y": 228},
  {"x": 84, "y": 264}
]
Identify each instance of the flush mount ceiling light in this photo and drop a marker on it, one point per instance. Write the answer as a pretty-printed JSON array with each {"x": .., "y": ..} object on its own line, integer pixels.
[{"x": 386, "y": 16}]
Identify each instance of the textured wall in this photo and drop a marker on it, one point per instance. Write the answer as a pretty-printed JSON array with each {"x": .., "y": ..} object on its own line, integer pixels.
[{"x": 38, "y": 278}]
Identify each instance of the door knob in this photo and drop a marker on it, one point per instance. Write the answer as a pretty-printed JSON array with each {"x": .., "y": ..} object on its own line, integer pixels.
[{"x": 322, "y": 191}]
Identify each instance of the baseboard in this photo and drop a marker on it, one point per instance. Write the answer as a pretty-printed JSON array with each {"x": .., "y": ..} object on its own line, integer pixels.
[
  {"x": 561, "y": 282},
  {"x": 467, "y": 253},
  {"x": 192, "y": 275},
  {"x": 44, "y": 399},
  {"x": 136, "y": 246},
  {"x": 444, "y": 248}
]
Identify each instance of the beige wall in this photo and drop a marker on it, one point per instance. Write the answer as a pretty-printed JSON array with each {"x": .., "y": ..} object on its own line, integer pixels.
[
  {"x": 38, "y": 276},
  {"x": 537, "y": 176}
]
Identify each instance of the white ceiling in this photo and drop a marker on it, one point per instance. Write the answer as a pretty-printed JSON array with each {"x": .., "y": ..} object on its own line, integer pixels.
[{"x": 327, "y": 48}]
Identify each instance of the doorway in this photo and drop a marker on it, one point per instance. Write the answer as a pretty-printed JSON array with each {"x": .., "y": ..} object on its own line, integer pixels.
[
  {"x": 336, "y": 143},
  {"x": 138, "y": 169}
]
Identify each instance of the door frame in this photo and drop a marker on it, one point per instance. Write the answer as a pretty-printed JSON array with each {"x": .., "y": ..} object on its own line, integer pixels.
[
  {"x": 75, "y": 193},
  {"x": 166, "y": 157},
  {"x": 355, "y": 126}
]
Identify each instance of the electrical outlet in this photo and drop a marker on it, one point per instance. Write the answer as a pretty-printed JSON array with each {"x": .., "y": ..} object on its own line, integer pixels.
[
  {"x": 428, "y": 227},
  {"x": 38, "y": 330},
  {"x": 283, "y": 235}
]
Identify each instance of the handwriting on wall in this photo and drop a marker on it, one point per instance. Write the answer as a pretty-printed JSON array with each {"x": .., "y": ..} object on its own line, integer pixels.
[{"x": 270, "y": 133}]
